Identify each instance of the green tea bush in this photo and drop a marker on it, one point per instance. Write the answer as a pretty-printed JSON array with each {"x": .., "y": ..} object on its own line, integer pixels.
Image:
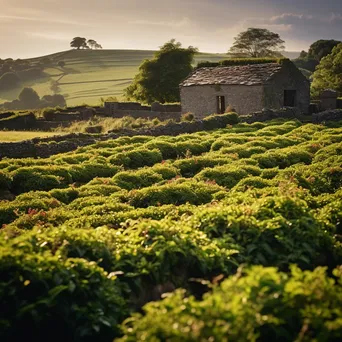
[
  {"x": 137, "y": 158},
  {"x": 189, "y": 167},
  {"x": 26, "y": 203},
  {"x": 65, "y": 195},
  {"x": 258, "y": 304},
  {"x": 166, "y": 170},
  {"x": 253, "y": 182},
  {"x": 173, "y": 193},
  {"x": 283, "y": 158},
  {"x": 85, "y": 172},
  {"x": 135, "y": 180},
  {"x": 227, "y": 141},
  {"x": 263, "y": 194},
  {"x": 223, "y": 175},
  {"x": 220, "y": 121},
  {"x": 167, "y": 149},
  {"x": 5, "y": 181},
  {"x": 39, "y": 178},
  {"x": 44, "y": 295}
]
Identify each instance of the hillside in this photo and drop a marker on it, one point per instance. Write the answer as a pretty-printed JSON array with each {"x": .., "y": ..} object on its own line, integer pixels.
[
  {"x": 89, "y": 75},
  {"x": 247, "y": 214}
]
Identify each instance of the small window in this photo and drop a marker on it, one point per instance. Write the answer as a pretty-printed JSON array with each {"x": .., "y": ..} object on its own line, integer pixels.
[
  {"x": 220, "y": 104},
  {"x": 290, "y": 98}
]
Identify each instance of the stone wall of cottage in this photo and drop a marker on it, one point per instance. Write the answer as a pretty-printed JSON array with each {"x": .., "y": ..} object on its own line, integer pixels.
[
  {"x": 288, "y": 78},
  {"x": 202, "y": 100}
]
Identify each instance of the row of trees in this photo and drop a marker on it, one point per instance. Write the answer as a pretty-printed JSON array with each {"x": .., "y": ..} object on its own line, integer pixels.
[
  {"x": 82, "y": 43},
  {"x": 159, "y": 78},
  {"x": 29, "y": 99}
]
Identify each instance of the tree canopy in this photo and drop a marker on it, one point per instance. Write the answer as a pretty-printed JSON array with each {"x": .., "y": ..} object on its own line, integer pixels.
[
  {"x": 93, "y": 44},
  {"x": 79, "y": 43},
  {"x": 257, "y": 42},
  {"x": 83, "y": 43},
  {"x": 159, "y": 78},
  {"x": 321, "y": 48},
  {"x": 328, "y": 74}
]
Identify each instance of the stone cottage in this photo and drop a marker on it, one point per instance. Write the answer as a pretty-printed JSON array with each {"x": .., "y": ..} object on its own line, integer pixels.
[{"x": 246, "y": 88}]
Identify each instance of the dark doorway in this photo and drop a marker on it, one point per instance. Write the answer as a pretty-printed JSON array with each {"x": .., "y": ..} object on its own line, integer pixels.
[
  {"x": 220, "y": 104},
  {"x": 290, "y": 98}
]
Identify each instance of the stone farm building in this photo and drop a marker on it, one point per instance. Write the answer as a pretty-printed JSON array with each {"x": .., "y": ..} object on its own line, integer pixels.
[{"x": 246, "y": 88}]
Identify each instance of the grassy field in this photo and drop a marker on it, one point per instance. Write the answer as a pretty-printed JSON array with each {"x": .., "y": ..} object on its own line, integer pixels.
[
  {"x": 10, "y": 136},
  {"x": 89, "y": 75}
]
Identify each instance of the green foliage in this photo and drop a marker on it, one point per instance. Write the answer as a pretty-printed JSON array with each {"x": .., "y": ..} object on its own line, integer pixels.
[
  {"x": 213, "y": 121},
  {"x": 29, "y": 97},
  {"x": 179, "y": 192},
  {"x": 306, "y": 64},
  {"x": 241, "y": 61},
  {"x": 43, "y": 295},
  {"x": 258, "y": 304},
  {"x": 257, "y": 42},
  {"x": 79, "y": 43},
  {"x": 328, "y": 74},
  {"x": 136, "y": 180},
  {"x": 9, "y": 80},
  {"x": 248, "y": 61},
  {"x": 40, "y": 178},
  {"x": 159, "y": 78},
  {"x": 322, "y": 48},
  {"x": 263, "y": 194},
  {"x": 137, "y": 158}
]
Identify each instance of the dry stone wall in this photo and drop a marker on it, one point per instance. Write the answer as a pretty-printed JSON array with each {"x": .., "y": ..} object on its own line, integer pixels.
[{"x": 328, "y": 115}]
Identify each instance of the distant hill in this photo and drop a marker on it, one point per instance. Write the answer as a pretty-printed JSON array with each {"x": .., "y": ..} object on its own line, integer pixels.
[
  {"x": 291, "y": 54},
  {"x": 89, "y": 75}
]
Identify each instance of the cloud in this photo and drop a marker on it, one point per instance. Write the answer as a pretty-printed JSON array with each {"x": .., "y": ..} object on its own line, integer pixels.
[
  {"x": 173, "y": 23},
  {"x": 288, "y": 17},
  {"x": 50, "y": 36},
  {"x": 46, "y": 19}
]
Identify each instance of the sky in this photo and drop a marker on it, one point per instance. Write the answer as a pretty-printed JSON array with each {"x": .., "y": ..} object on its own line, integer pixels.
[{"x": 40, "y": 27}]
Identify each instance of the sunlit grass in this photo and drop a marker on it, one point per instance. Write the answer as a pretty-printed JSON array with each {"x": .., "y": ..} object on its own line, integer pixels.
[{"x": 10, "y": 136}]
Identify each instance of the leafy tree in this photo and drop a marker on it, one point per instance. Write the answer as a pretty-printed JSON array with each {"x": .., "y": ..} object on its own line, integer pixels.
[
  {"x": 159, "y": 78},
  {"x": 321, "y": 48},
  {"x": 257, "y": 42},
  {"x": 93, "y": 44},
  {"x": 61, "y": 64},
  {"x": 9, "y": 80},
  {"x": 29, "y": 97},
  {"x": 79, "y": 42},
  {"x": 328, "y": 74}
]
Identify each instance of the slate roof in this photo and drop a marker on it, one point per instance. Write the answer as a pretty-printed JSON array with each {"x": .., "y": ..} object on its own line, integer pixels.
[{"x": 251, "y": 74}]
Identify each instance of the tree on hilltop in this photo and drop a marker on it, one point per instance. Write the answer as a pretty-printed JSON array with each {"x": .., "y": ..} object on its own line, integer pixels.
[
  {"x": 79, "y": 43},
  {"x": 159, "y": 78},
  {"x": 257, "y": 42},
  {"x": 93, "y": 44}
]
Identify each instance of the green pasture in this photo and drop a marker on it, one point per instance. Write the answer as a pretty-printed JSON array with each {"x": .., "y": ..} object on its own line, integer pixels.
[
  {"x": 89, "y": 75},
  {"x": 10, "y": 136}
]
